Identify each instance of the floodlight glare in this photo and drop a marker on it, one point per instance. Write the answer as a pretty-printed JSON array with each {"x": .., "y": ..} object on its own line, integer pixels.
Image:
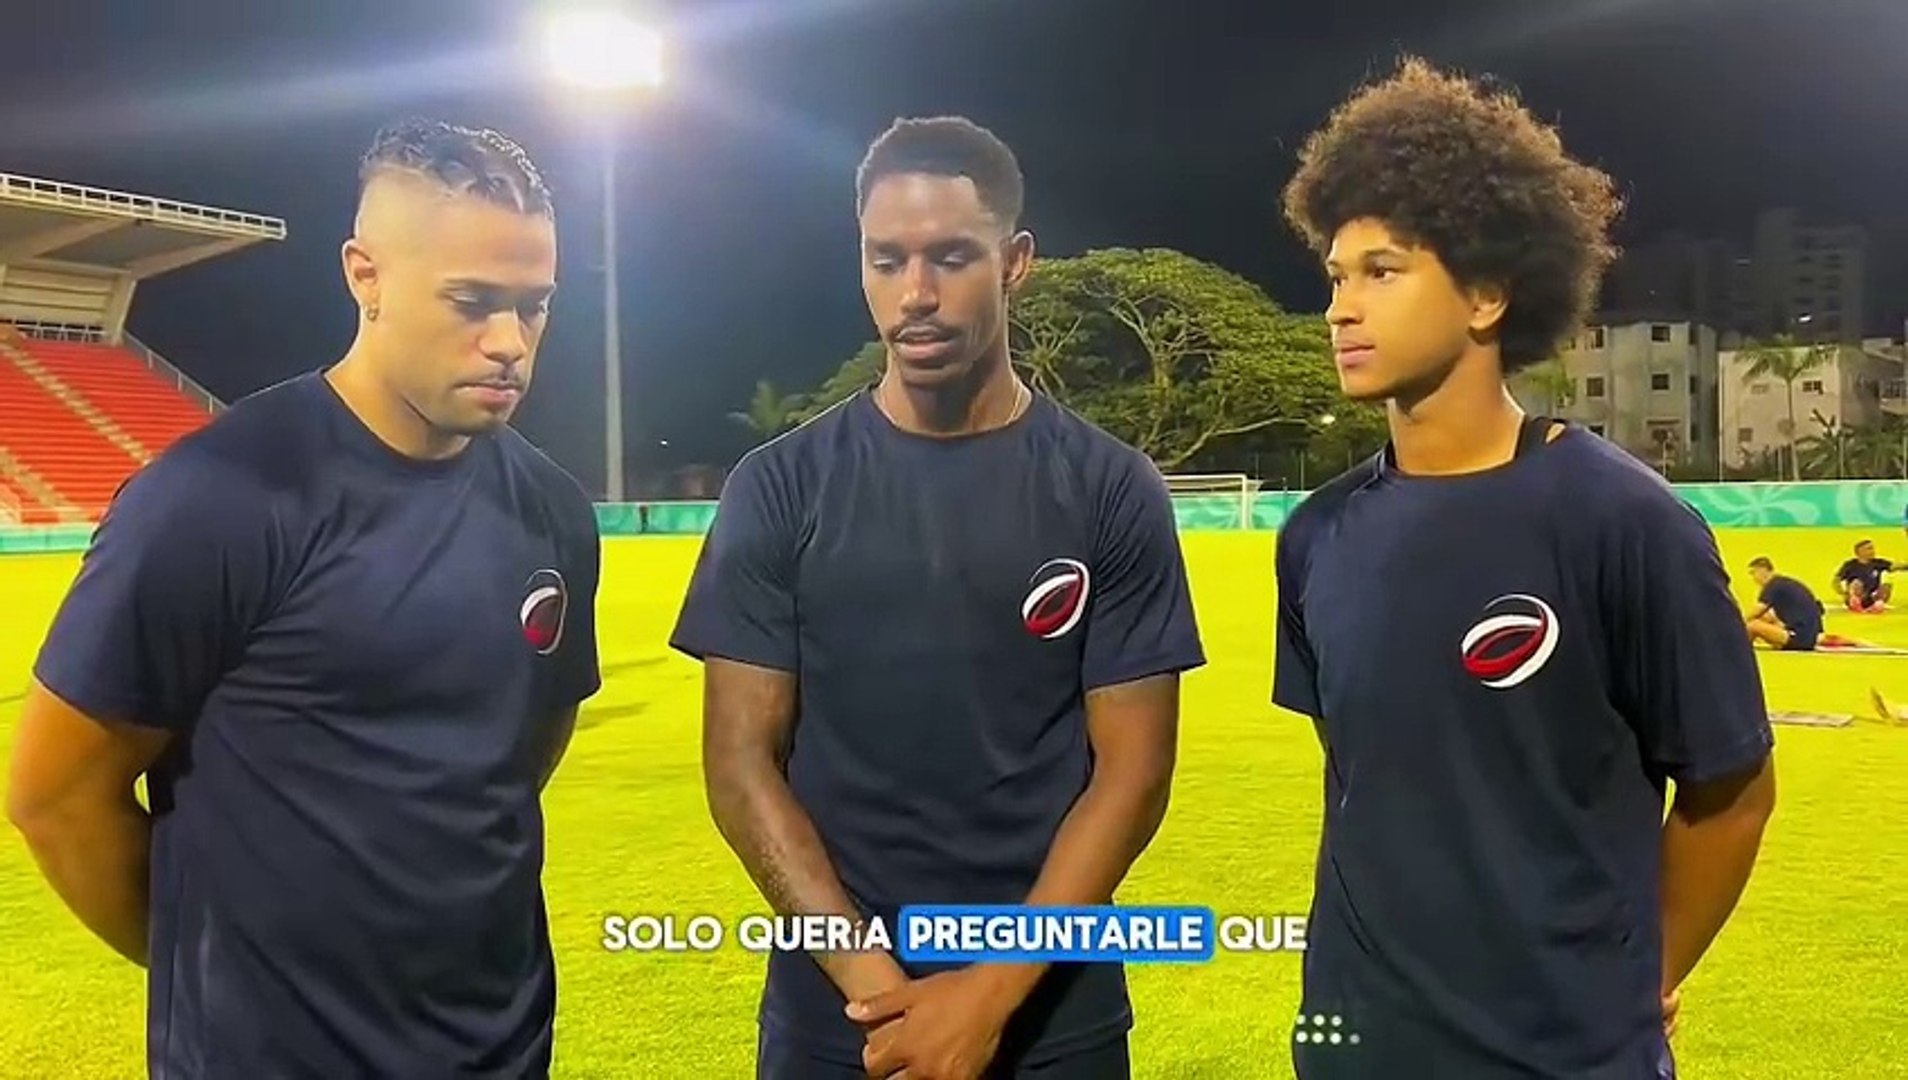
[{"x": 603, "y": 50}]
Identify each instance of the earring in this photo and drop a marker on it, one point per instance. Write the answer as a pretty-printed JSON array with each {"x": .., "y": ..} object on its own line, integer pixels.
[{"x": 371, "y": 312}]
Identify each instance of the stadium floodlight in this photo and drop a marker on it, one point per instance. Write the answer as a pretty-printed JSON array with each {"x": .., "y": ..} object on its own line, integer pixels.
[
  {"x": 602, "y": 49},
  {"x": 606, "y": 54}
]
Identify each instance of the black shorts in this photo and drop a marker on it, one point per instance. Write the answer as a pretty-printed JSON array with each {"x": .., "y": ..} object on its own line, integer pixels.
[
  {"x": 780, "y": 1058},
  {"x": 1802, "y": 641}
]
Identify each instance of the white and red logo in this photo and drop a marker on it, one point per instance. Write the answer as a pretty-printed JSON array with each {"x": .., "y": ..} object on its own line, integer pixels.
[
  {"x": 545, "y": 602},
  {"x": 1058, "y": 598},
  {"x": 1508, "y": 647}
]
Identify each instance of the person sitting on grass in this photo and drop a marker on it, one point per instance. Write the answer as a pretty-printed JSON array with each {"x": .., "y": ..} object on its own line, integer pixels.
[
  {"x": 1860, "y": 580},
  {"x": 1787, "y": 615}
]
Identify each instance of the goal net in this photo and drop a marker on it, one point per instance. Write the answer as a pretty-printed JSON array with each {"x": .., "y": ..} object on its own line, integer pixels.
[{"x": 1214, "y": 500}]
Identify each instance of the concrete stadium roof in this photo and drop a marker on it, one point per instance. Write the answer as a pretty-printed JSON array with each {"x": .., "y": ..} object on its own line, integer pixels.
[{"x": 59, "y": 225}]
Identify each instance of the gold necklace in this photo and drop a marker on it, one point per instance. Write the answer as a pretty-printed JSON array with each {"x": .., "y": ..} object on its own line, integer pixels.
[{"x": 1023, "y": 398}]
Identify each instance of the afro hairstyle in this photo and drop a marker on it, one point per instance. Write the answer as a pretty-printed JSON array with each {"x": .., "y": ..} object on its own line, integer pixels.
[{"x": 1462, "y": 168}]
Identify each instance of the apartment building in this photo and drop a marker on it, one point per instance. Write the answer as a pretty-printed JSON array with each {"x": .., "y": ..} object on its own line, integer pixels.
[
  {"x": 1844, "y": 387},
  {"x": 1808, "y": 281},
  {"x": 1648, "y": 385}
]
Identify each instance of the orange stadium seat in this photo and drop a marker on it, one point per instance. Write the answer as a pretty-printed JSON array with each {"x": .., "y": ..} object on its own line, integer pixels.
[
  {"x": 66, "y": 452},
  {"x": 20, "y": 505},
  {"x": 117, "y": 383},
  {"x": 58, "y": 445}
]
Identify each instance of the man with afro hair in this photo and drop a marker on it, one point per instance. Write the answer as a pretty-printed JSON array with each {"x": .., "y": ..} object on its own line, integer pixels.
[{"x": 1510, "y": 635}]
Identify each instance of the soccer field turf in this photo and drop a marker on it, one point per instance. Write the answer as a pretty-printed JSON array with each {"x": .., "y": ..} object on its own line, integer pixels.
[{"x": 1810, "y": 979}]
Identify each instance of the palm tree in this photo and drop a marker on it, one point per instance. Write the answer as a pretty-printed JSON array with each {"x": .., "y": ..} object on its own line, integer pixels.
[
  {"x": 1551, "y": 380},
  {"x": 769, "y": 410},
  {"x": 1783, "y": 359},
  {"x": 1826, "y": 453},
  {"x": 1876, "y": 451}
]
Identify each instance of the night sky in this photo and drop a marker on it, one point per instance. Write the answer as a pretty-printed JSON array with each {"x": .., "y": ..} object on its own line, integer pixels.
[{"x": 1169, "y": 123}]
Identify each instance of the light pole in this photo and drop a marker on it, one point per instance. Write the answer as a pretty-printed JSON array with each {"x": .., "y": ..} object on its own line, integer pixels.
[
  {"x": 608, "y": 56},
  {"x": 613, "y": 490}
]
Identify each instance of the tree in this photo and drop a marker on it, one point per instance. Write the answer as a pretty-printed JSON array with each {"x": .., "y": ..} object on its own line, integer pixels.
[
  {"x": 1879, "y": 451},
  {"x": 769, "y": 410},
  {"x": 1167, "y": 352},
  {"x": 1870, "y": 451},
  {"x": 1172, "y": 355},
  {"x": 1782, "y": 359},
  {"x": 860, "y": 370},
  {"x": 1357, "y": 430},
  {"x": 1826, "y": 452},
  {"x": 1551, "y": 383}
]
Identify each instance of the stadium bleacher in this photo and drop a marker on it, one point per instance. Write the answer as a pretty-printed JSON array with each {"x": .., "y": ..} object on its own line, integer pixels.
[
  {"x": 149, "y": 410},
  {"x": 81, "y": 418},
  {"x": 23, "y": 506},
  {"x": 55, "y": 444},
  {"x": 83, "y": 404}
]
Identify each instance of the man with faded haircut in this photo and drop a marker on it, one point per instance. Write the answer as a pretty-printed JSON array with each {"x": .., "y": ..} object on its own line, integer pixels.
[{"x": 342, "y": 631}]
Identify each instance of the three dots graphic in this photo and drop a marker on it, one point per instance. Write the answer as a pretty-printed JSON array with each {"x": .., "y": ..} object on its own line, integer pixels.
[{"x": 1323, "y": 1031}]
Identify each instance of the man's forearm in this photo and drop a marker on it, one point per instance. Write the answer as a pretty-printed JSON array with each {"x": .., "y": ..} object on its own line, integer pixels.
[
  {"x": 98, "y": 862},
  {"x": 1705, "y": 867},
  {"x": 1098, "y": 841},
  {"x": 779, "y": 847}
]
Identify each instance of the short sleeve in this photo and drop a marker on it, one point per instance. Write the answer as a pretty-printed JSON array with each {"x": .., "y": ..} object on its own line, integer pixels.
[
  {"x": 1140, "y": 619},
  {"x": 1294, "y": 668},
  {"x": 740, "y": 603},
  {"x": 1686, "y": 673},
  {"x": 176, "y": 575},
  {"x": 579, "y": 672}
]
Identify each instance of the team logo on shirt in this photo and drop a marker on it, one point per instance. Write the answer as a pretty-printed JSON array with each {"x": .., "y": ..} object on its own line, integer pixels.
[
  {"x": 1512, "y": 642},
  {"x": 1058, "y": 598},
  {"x": 545, "y": 602}
]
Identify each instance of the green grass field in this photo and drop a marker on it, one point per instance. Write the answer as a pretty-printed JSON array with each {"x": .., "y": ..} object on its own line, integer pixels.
[{"x": 1810, "y": 980}]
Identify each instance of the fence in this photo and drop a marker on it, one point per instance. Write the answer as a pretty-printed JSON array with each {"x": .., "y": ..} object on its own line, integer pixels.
[
  {"x": 1853, "y": 503},
  {"x": 1810, "y": 504}
]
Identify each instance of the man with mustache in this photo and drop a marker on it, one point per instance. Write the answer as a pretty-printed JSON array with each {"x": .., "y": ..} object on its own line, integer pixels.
[
  {"x": 342, "y": 632},
  {"x": 1510, "y": 635},
  {"x": 977, "y": 600}
]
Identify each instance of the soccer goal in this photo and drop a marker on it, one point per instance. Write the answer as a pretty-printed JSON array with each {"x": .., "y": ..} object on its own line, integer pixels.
[{"x": 1214, "y": 497}]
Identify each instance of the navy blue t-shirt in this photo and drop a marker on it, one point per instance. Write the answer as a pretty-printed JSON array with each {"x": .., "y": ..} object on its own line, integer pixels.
[
  {"x": 1504, "y": 669},
  {"x": 1795, "y": 605},
  {"x": 358, "y": 656},
  {"x": 1868, "y": 573},
  {"x": 946, "y": 604}
]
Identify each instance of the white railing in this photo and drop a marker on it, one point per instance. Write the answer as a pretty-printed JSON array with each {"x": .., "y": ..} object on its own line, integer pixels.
[
  {"x": 58, "y": 194},
  {"x": 54, "y": 331},
  {"x": 179, "y": 379},
  {"x": 50, "y": 331}
]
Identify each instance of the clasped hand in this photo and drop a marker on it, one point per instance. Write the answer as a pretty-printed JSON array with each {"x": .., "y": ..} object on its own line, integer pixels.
[{"x": 943, "y": 1027}]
